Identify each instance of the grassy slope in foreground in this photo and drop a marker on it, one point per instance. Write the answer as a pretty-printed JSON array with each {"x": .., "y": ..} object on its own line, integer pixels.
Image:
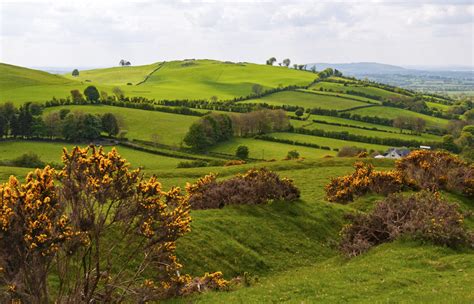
[
  {"x": 392, "y": 273},
  {"x": 141, "y": 124},
  {"x": 308, "y": 100}
]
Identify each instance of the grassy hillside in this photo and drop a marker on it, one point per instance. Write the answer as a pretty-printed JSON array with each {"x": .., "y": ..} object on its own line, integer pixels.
[
  {"x": 339, "y": 87},
  {"x": 117, "y": 75},
  {"x": 170, "y": 129},
  {"x": 308, "y": 100},
  {"x": 18, "y": 84},
  {"x": 391, "y": 113}
]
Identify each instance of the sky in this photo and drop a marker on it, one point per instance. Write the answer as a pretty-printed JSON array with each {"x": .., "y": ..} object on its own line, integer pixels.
[{"x": 83, "y": 33}]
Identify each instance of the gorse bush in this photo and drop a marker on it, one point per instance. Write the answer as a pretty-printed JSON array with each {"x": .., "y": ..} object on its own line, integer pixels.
[
  {"x": 437, "y": 170},
  {"x": 364, "y": 179},
  {"x": 256, "y": 186},
  {"x": 424, "y": 216},
  {"x": 99, "y": 215}
]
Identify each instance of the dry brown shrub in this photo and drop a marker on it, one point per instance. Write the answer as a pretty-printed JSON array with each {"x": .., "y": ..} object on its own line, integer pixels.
[
  {"x": 436, "y": 170},
  {"x": 425, "y": 216},
  {"x": 235, "y": 162},
  {"x": 256, "y": 186}
]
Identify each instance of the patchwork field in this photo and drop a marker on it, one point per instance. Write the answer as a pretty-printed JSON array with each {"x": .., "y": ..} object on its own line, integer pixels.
[{"x": 308, "y": 100}]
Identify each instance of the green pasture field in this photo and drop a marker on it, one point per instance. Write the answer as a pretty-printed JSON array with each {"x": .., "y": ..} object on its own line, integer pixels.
[
  {"x": 313, "y": 125},
  {"x": 339, "y": 87},
  {"x": 260, "y": 149},
  {"x": 141, "y": 124},
  {"x": 438, "y": 106},
  {"x": 308, "y": 100},
  {"x": 342, "y": 95},
  {"x": 52, "y": 151},
  {"x": 324, "y": 141},
  {"x": 391, "y": 113}
]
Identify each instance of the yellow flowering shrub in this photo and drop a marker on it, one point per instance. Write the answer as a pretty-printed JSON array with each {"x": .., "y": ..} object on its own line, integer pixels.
[
  {"x": 33, "y": 228},
  {"x": 364, "y": 179}
]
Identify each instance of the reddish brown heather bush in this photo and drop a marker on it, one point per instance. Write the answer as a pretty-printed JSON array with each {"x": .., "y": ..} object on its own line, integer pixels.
[
  {"x": 257, "y": 186},
  {"x": 424, "y": 216},
  {"x": 364, "y": 179},
  {"x": 437, "y": 170}
]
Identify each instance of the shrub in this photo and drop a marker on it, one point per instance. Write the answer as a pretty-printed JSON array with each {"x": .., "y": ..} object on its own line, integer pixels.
[
  {"x": 437, "y": 170},
  {"x": 350, "y": 151},
  {"x": 293, "y": 154},
  {"x": 424, "y": 216},
  {"x": 192, "y": 164},
  {"x": 235, "y": 162},
  {"x": 364, "y": 179},
  {"x": 242, "y": 152},
  {"x": 256, "y": 186},
  {"x": 28, "y": 160}
]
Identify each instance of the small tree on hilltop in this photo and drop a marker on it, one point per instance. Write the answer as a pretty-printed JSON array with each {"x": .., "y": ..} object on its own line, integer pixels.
[
  {"x": 75, "y": 72},
  {"x": 242, "y": 152},
  {"x": 271, "y": 61},
  {"x": 286, "y": 62},
  {"x": 92, "y": 94}
]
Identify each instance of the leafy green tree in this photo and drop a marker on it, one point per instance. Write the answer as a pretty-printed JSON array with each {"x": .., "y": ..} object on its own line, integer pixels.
[
  {"x": 448, "y": 144},
  {"x": 63, "y": 113},
  {"x": 110, "y": 124},
  {"x": 77, "y": 97},
  {"x": 242, "y": 152},
  {"x": 286, "y": 62},
  {"x": 271, "y": 61},
  {"x": 75, "y": 72},
  {"x": 3, "y": 125},
  {"x": 293, "y": 154},
  {"x": 197, "y": 137},
  {"x": 92, "y": 94}
]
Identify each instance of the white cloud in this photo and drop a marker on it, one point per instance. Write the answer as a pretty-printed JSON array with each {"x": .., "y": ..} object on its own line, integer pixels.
[{"x": 85, "y": 33}]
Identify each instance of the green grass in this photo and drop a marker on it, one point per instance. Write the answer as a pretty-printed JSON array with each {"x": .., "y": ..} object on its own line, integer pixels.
[
  {"x": 391, "y": 113},
  {"x": 342, "y": 95},
  {"x": 345, "y": 121},
  {"x": 6, "y": 172},
  {"x": 141, "y": 124},
  {"x": 199, "y": 79},
  {"x": 339, "y": 87},
  {"x": 117, "y": 76},
  {"x": 51, "y": 152},
  {"x": 323, "y": 141},
  {"x": 439, "y": 106},
  {"x": 313, "y": 125},
  {"x": 308, "y": 100},
  {"x": 268, "y": 150}
]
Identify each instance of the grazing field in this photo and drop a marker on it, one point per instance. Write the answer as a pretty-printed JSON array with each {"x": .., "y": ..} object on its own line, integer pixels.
[
  {"x": 51, "y": 152},
  {"x": 314, "y": 125},
  {"x": 339, "y": 87},
  {"x": 268, "y": 150},
  {"x": 439, "y": 106},
  {"x": 339, "y": 120},
  {"x": 169, "y": 128},
  {"x": 308, "y": 100},
  {"x": 342, "y": 95},
  {"x": 118, "y": 76},
  {"x": 324, "y": 141},
  {"x": 391, "y": 113}
]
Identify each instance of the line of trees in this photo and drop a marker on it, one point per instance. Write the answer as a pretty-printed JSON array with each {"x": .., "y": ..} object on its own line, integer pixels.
[
  {"x": 28, "y": 122},
  {"x": 214, "y": 128}
]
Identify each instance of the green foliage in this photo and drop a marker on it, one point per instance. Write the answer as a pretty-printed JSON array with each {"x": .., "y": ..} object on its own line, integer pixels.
[
  {"x": 242, "y": 152},
  {"x": 293, "y": 154},
  {"x": 92, "y": 94},
  {"x": 110, "y": 124},
  {"x": 75, "y": 73}
]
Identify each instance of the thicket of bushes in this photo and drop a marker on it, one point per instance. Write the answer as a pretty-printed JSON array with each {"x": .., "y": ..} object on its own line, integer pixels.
[
  {"x": 424, "y": 216},
  {"x": 256, "y": 186}
]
